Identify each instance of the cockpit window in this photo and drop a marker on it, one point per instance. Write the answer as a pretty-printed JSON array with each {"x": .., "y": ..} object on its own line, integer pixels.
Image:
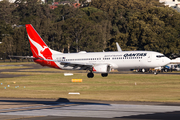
[{"x": 159, "y": 56}]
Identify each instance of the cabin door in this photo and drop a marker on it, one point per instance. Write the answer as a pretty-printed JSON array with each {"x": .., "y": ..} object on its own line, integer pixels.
[{"x": 149, "y": 57}]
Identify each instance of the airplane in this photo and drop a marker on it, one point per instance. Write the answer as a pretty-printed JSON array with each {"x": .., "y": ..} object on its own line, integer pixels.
[{"x": 94, "y": 62}]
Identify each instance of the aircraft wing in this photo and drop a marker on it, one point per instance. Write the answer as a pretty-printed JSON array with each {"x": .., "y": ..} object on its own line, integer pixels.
[{"x": 83, "y": 66}]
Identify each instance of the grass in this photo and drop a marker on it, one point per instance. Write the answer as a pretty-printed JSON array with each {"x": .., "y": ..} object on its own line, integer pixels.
[{"x": 115, "y": 87}]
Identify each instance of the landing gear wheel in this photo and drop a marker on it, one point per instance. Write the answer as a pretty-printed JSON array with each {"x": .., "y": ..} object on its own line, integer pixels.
[
  {"x": 155, "y": 72},
  {"x": 90, "y": 75},
  {"x": 104, "y": 74},
  {"x": 143, "y": 70}
]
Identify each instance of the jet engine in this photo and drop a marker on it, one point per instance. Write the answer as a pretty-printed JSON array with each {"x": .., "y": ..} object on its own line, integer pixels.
[{"x": 102, "y": 69}]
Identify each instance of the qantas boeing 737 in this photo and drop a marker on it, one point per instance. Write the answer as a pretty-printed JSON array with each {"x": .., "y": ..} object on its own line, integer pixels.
[{"x": 94, "y": 62}]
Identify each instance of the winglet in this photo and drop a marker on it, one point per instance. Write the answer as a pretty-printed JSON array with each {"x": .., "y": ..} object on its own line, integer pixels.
[{"x": 118, "y": 47}]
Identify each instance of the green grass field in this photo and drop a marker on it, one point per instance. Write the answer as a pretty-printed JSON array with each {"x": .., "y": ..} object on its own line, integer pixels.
[{"x": 115, "y": 87}]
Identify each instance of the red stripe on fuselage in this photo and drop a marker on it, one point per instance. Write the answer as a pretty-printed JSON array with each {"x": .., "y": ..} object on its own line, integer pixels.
[{"x": 47, "y": 63}]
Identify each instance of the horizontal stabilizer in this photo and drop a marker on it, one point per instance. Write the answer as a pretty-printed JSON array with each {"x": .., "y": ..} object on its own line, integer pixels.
[{"x": 26, "y": 57}]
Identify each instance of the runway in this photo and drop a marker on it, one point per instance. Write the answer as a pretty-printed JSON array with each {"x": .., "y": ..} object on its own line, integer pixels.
[{"x": 36, "y": 109}]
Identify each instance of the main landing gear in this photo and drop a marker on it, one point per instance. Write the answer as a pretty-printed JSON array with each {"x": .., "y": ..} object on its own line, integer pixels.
[
  {"x": 104, "y": 74},
  {"x": 91, "y": 75}
]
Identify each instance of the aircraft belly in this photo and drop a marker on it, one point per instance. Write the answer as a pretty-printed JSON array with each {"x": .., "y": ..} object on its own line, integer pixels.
[{"x": 132, "y": 64}]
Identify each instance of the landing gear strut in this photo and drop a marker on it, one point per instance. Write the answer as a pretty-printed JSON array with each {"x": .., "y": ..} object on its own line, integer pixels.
[
  {"x": 155, "y": 72},
  {"x": 90, "y": 75},
  {"x": 104, "y": 74}
]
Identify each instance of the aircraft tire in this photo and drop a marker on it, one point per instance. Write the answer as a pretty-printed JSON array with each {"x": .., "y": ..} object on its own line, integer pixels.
[
  {"x": 90, "y": 75},
  {"x": 143, "y": 70},
  {"x": 104, "y": 74},
  {"x": 155, "y": 73}
]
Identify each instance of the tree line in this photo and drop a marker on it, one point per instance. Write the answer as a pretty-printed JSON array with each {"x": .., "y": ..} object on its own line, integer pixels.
[{"x": 134, "y": 24}]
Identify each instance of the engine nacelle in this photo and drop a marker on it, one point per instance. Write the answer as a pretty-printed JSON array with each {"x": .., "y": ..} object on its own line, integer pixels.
[{"x": 102, "y": 69}]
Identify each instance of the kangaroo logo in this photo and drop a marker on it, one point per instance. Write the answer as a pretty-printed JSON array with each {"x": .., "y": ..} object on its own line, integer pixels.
[
  {"x": 39, "y": 48},
  {"x": 44, "y": 47}
]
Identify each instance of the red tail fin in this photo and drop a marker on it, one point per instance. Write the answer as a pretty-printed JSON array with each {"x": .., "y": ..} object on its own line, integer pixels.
[{"x": 38, "y": 46}]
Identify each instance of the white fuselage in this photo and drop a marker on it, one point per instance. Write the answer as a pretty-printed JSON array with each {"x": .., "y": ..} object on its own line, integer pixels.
[{"x": 125, "y": 60}]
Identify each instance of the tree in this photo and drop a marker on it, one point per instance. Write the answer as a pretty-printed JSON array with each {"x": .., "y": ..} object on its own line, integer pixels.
[
  {"x": 6, "y": 9},
  {"x": 134, "y": 24},
  {"x": 8, "y": 45},
  {"x": 21, "y": 42}
]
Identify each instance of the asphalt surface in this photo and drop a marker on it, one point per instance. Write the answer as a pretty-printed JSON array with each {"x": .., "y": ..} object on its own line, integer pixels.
[{"x": 50, "y": 109}]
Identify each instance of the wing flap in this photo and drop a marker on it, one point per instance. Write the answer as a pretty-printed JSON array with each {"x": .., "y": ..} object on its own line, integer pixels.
[{"x": 83, "y": 66}]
